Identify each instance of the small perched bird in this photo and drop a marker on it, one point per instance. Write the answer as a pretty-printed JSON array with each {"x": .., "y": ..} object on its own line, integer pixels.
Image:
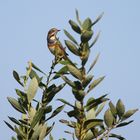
[{"x": 55, "y": 46}]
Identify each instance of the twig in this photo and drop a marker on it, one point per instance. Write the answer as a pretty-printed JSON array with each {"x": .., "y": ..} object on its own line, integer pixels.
[{"x": 54, "y": 62}]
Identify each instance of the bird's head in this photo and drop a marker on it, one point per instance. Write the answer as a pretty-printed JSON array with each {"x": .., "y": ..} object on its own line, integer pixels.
[{"x": 52, "y": 32}]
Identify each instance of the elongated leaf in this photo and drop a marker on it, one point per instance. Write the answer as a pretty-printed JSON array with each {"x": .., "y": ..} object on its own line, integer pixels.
[
  {"x": 77, "y": 17},
  {"x": 128, "y": 114},
  {"x": 117, "y": 136},
  {"x": 14, "y": 120},
  {"x": 97, "y": 19},
  {"x": 75, "y": 72},
  {"x": 32, "y": 89},
  {"x": 101, "y": 107},
  {"x": 94, "y": 62},
  {"x": 87, "y": 80},
  {"x": 21, "y": 94},
  {"x": 17, "y": 78},
  {"x": 86, "y": 36},
  {"x": 87, "y": 24},
  {"x": 88, "y": 124},
  {"x": 124, "y": 124},
  {"x": 16, "y": 104},
  {"x": 69, "y": 82},
  {"x": 50, "y": 137},
  {"x": 108, "y": 118},
  {"x": 37, "y": 117},
  {"x": 49, "y": 129},
  {"x": 74, "y": 26},
  {"x": 113, "y": 109},
  {"x": 70, "y": 36},
  {"x": 9, "y": 125},
  {"x": 72, "y": 47},
  {"x": 38, "y": 69},
  {"x": 65, "y": 102},
  {"x": 120, "y": 108},
  {"x": 55, "y": 112},
  {"x": 95, "y": 83},
  {"x": 13, "y": 138}
]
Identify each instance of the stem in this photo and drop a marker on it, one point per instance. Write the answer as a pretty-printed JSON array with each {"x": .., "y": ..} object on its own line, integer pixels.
[{"x": 51, "y": 71}]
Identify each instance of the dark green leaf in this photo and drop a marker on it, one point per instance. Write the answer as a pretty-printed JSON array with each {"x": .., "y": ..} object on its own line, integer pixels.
[
  {"x": 74, "y": 113},
  {"x": 86, "y": 36},
  {"x": 91, "y": 123},
  {"x": 100, "y": 108},
  {"x": 70, "y": 36},
  {"x": 95, "y": 83},
  {"x": 55, "y": 112},
  {"x": 94, "y": 62},
  {"x": 50, "y": 137},
  {"x": 9, "y": 125},
  {"x": 87, "y": 24},
  {"x": 72, "y": 47},
  {"x": 65, "y": 102},
  {"x": 34, "y": 74},
  {"x": 17, "y": 78},
  {"x": 21, "y": 94},
  {"x": 79, "y": 94},
  {"x": 14, "y": 120},
  {"x": 124, "y": 124},
  {"x": 108, "y": 118},
  {"x": 74, "y": 26},
  {"x": 37, "y": 117},
  {"x": 128, "y": 114},
  {"x": 13, "y": 138},
  {"x": 75, "y": 72},
  {"x": 95, "y": 40},
  {"x": 117, "y": 136},
  {"x": 32, "y": 89},
  {"x": 48, "y": 109},
  {"x": 49, "y": 129},
  {"x": 97, "y": 19},
  {"x": 120, "y": 108},
  {"x": 16, "y": 104}
]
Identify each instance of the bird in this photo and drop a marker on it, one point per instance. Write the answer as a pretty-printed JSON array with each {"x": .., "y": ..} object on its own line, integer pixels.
[{"x": 56, "y": 47}]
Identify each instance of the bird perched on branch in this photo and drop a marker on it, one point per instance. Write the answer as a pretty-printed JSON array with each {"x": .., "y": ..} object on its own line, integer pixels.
[{"x": 56, "y": 47}]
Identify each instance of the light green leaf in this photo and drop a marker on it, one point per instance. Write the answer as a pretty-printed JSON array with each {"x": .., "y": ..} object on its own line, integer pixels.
[
  {"x": 87, "y": 24},
  {"x": 77, "y": 17},
  {"x": 16, "y": 104},
  {"x": 95, "y": 83},
  {"x": 50, "y": 137},
  {"x": 70, "y": 36},
  {"x": 69, "y": 82},
  {"x": 87, "y": 80},
  {"x": 120, "y": 108},
  {"x": 32, "y": 89},
  {"x": 101, "y": 107},
  {"x": 113, "y": 109},
  {"x": 86, "y": 36},
  {"x": 94, "y": 62}
]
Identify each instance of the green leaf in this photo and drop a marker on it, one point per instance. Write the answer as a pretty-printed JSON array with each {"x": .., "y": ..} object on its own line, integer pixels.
[
  {"x": 87, "y": 80},
  {"x": 77, "y": 17},
  {"x": 37, "y": 117},
  {"x": 33, "y": 74},
  {"x": 108, "y": 118},
  {"x": 120, "y": 108},
  {"x": 75, "y": 72},
  {"x": 95, "y": 40},
  {"x": 117, "y": 136},
  {"x": 79, "y": 94},
  {"x": 13, "y": 138},
  {"x": 65, "y": 102},
  {"x": 74, "y": 113},
  {"x": 38, "y": 69},
  {"x": 49, "y": 129},
  {"x": 17, "y": 78},
  {"x": 74, "y": 26},
  {"x": 97, "y": 19},
  {"x": 14, "y": 120},
  {"x": 50, "y": 137},
  {"x": 21, "y": 94},
  {"x": 62, "y": 71},
  {"x": 87, "y": 24},
  {"x": 86, "y": 36},
  {"x": 70, "y": 36},
  {"x": 124, "y": 124},
  {"x": 95, "y": 83},
  {"x": 70, "y": 124},
  {"x": 101, "y": 107},
  {"x": 91, "y": 123},
  {"x": 128, "y": 114},
  {"x": 9, "y": 125},
  {"x": 48, "y": 109},
  {"x": 72, "y": 47},
  {"x": 16, "y": 105},
  {"x": 55, "y": 112},
  {"x": 32, "y": 89},
  {"x": 113, "y": 109},
  {"x": 92, "y": 103},
  {"x": 94, "y": 62}
]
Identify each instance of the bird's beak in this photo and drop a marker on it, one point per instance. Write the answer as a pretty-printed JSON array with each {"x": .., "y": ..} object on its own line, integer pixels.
[{"x": 58, "y": 30}]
